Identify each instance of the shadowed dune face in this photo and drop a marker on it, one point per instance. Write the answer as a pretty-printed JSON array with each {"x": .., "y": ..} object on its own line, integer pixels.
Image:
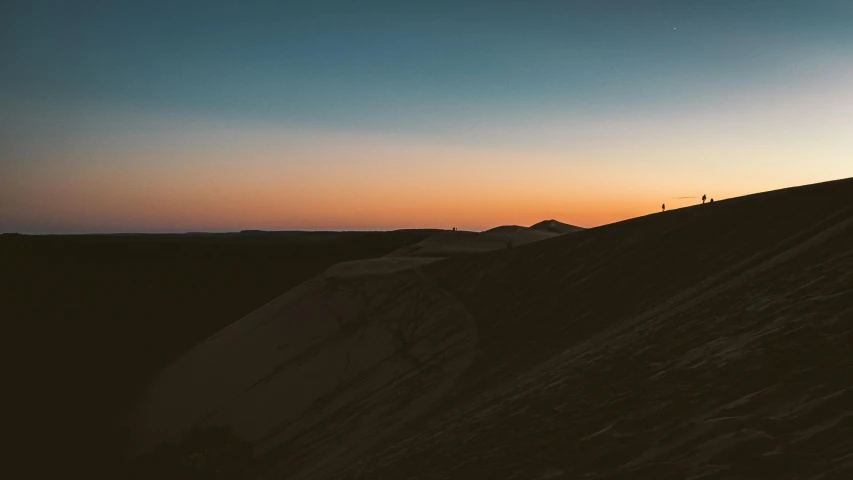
[
  {"x": 320, "y": 373},
  {"x": 705, "y": 342}
]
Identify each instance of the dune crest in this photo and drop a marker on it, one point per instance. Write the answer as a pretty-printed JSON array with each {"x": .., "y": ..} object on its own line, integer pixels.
[
  {"x": 554, "y": 226},
  {"x": 706, "y": 342}
]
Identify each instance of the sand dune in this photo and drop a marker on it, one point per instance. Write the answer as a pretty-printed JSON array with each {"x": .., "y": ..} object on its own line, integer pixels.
[
  {"x": 321, "y": 373},
  {"x": 705, "y": 342},
  {"x": 375, "y": 266},
  {"x": 507, "y": 229},
  {"x": 459, "y": 243},
  {"x": 554, "y": 226},
  {"x": 699, "y": 343}
]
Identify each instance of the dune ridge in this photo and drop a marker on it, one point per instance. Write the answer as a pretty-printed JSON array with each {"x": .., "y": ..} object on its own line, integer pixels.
[
  {"x": 704, "y": 342},
  {"x": 720, "y": 359}
]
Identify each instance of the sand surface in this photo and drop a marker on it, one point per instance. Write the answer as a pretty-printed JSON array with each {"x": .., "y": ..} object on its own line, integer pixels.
[
  {"x": 460, "y": 243},
  {"x": 700, "y": 343},
  {"x": 321, "y": 373},
  {"x": 375, "y": 266},
  {"x": 556, "y": 227},
  {"x": 707, "y": 342}
]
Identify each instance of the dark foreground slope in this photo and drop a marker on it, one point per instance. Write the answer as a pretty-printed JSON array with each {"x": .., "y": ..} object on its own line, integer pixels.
[{"x": 708, "y": 342}]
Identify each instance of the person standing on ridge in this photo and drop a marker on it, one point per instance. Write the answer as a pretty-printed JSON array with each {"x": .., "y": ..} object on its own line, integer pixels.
[
  {"x": 663, "y": 207},
  {"x": 703, "y": 198}
]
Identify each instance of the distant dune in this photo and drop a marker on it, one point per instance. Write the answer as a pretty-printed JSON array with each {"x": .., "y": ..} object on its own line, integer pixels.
[
  {"x": 554, "y": 226},
  {"x": 453, "y": 244},
  {"x": 551, "y": 226},
  {"x": 706, "y": 342},
  {"x": 507, "y": 229}
]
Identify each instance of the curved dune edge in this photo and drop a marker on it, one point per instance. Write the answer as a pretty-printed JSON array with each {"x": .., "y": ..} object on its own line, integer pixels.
[
  {"x": 710, "y": 342},
  {"x": 325, "y": 370},
  {"x": 375, "y": 266},
  {"x": 461, "y": 243}
]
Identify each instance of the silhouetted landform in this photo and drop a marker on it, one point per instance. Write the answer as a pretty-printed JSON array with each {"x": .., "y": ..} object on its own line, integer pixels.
[
  {"x": 703, "y": 342},
  {"x": 323, "y": 234},
  {"x": 554, "y": 226},
  {"x": 507, "y": 229},
  {"x": 458, "y": 243},
  {"x": 91, "y": 318},
  {"x": 461, "y": 243}
]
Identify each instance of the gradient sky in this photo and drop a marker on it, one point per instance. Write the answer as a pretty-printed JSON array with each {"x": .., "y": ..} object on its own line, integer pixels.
[{"x": 220, "y": 116}]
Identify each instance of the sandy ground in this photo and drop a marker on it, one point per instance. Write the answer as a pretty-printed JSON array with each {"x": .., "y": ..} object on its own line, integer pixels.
[
  {"x": 459, "y": 243},
  {"x": 556, "y": 227},
  {"x": 707, "y": 342},
  {"x": 321, "y": 373},
  {"x": 702, "y": 343},
  {"x": 374, "y": 266}
]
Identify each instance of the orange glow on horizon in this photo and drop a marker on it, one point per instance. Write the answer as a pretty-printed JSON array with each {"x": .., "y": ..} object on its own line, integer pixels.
[
  {"x": 190, "y": 176},
  {"x": 207, "y": 203}
]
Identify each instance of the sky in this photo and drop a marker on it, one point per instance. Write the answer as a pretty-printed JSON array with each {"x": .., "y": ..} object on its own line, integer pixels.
[{"x": 359, "y": 115}]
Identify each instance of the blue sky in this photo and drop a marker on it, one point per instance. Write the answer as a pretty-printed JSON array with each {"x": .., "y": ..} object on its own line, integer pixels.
[{"x": 536, "y": 78}]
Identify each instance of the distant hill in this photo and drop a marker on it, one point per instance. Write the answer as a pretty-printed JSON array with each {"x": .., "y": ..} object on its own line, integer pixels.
[
  {"x": 507, "y": 229},
  {"x": 554, "y": 226}
]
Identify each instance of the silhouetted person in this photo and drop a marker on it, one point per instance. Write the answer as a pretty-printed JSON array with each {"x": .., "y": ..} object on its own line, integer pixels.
[
  {"x": 703, "y": 198},
  {"x": 663, "y": 207},
  {"x": 712, "y": 201}
]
